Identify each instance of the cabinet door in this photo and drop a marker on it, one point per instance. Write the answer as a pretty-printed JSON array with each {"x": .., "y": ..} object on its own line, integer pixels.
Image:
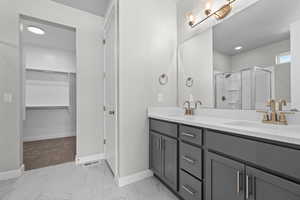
[
  {"x": 170, "y": 171},
  {"x": 224, "y": 177},
  {"x": 156, "y": 153},
  {"x": 263, "y": 186}
]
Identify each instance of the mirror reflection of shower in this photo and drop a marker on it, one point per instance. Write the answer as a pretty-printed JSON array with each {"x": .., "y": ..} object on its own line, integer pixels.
[{"x": 247, "y": 89}]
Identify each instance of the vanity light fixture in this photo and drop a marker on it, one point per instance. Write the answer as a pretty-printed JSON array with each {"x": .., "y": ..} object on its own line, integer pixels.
[
  {"x": 191, "y": 18},
  {"x": 238, "y": 48},
  {"x": 219, "y": 14},
  {"x": 36, "y": 30}
]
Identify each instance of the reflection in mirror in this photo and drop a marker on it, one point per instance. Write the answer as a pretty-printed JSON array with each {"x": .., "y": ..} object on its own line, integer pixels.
[
  {"x": 196, "y": 62},
  {"x": 252, "y": 56},
  {"x": 246, "y": 59}
]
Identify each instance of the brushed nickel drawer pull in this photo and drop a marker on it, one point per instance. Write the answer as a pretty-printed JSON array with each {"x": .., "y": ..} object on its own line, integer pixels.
[
  {"x": 238, "y": 182},
  {"x": 188, "y": 135},
  {"x": 190, "y": 191},
  {"x": 247, "y": 187},
  {"x": 190, "y": 160}
]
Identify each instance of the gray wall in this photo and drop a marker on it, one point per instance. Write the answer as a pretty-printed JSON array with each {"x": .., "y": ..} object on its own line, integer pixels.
[
  {"x": 295, "y": 69},
  {"x": 89, "y": 65},
  {"x": 263, "y": 56},
  {"x": 9, "y": 112},
  {"x": 196, "y": 61},
  {"x": 49, "y": 123},
  {"x": 282, "y": 77},
  {"x": 222, "y": 62},
  {"x": 148, "y": 37}
]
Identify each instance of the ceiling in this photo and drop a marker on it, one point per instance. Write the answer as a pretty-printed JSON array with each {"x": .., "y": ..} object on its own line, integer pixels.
[
  {"x": 96, "y": 7},
  {"x": 263, "y": 23},
  {"x": 57, "y": 36}
]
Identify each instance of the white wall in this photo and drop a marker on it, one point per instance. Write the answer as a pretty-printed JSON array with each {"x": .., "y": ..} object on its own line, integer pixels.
[
  {"x": 263, "y": 56},
  {"x": 147, "y": 49},
  {"x": 196, "y": 61},
  {"x": 49, "y": 59},
  {"x": 89, "y": 69},
  {"x": 295, "y": 69}
]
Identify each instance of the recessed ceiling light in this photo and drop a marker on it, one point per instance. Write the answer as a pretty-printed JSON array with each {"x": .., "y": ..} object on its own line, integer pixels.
[
  {"x": 238, "y": 48},
  {"x": 36, "y": 30}
]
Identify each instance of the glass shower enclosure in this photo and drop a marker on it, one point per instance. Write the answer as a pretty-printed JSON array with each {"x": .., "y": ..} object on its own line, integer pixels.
[{"x": 248, "y": 89}]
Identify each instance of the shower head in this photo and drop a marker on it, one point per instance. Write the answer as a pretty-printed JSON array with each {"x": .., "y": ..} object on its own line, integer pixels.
[{"x": 227, "y": 75}]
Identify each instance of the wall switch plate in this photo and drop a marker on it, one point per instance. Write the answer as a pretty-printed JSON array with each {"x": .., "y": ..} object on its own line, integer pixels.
[
  {"x": 7, "y": 97},
  {"x": 160, "y": 97}
]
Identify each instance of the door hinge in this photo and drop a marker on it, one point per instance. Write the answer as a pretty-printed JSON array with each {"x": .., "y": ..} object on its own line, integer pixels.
[
  {"x": 104, "y": 108},
  {"x": 104, "y": 141},
  {"x": 104, "y": 42},
  {"x": 104, "y": 75}
]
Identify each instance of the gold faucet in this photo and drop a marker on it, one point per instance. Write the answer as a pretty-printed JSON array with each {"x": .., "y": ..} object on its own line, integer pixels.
[
  {"x": 273, "y": 114},
  {"x": 281, "y": 103},
  {"x": 189, "y": 110},
  {"x": 276, "y": 114}
]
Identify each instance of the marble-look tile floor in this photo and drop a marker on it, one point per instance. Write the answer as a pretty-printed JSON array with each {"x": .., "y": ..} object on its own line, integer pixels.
[{"x": 71, "y": 182}]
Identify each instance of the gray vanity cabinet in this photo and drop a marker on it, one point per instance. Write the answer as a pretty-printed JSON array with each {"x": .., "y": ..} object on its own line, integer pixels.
[
  {"x": 224, "y": 178},
  {"x": 164, "y": 152},
  {"x": 156, "y": 153},
  {"x": 229, "y": 179},
  {"x": 264, "y": 186},
  {"x": 204, "y": 164},
  {"x": 169, "y": 158},
  {"x": 163, "y": 158}
]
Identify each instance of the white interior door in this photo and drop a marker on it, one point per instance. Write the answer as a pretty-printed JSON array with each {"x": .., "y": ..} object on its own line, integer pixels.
[{"x": 110, "y": 115}]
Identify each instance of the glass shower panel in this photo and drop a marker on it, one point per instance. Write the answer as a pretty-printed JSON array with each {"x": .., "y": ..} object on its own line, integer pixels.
[
  {"x": 247, "y": 90},
  {"x": 228, "y": 90},
  {"x": 220, "y": 91},
  {"x": 262, "y": 88},
  {"x": 234, "y": 90}
]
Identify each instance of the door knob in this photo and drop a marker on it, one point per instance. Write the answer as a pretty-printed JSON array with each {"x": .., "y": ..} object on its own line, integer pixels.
[{"x": 111, "y": 112}]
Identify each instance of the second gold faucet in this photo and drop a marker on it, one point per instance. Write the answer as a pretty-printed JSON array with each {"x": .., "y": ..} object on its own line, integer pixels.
[
  {"x": 189, "y": 108},
  {"x": 276, "y": 115}
]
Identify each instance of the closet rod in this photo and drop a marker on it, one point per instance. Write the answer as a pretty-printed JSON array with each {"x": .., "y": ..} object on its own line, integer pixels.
[
  {"x": 47, "y": 107},
  {"x": 49, "y": 71}
]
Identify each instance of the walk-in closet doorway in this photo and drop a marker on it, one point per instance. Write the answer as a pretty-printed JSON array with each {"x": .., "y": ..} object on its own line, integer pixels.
[{"x": 48, "y": 53}]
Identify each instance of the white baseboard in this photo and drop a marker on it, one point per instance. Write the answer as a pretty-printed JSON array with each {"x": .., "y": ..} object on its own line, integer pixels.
[
  {"x": 123, "y": 181},
  {"x": 80, "y": 160},
  {"x": 47, "y": 137},
  {"x": 11, "y": 174}
]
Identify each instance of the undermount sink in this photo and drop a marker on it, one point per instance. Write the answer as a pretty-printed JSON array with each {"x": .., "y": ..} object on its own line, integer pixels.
[
  {"x": 249, "y": 124},
  {"x": 260, "y": 125}
]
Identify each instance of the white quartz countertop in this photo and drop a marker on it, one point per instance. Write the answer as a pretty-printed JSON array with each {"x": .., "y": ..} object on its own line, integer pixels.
[{"x": 287, "y": 134}]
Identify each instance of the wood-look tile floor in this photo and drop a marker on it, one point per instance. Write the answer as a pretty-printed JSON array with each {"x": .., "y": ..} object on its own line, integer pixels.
[{"x": 39, "y": 154}]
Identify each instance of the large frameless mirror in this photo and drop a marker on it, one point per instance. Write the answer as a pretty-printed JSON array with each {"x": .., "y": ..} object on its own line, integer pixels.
[{"x": 243, "y": 61}]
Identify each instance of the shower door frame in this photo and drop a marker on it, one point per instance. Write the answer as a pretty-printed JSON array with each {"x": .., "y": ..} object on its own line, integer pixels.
[
  {"x": 253, "y": 71},
  {"x": 253, "y": 84}
]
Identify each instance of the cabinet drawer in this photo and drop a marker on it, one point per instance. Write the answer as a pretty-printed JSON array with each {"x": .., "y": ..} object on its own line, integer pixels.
[
  {"x": 191, "y": 159},
  {"x": 190, "y": 187},
  {"x": 277, "y": 158},
  {"x": 191, "y": 134},
  {"x": 164, "y": 127}
]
